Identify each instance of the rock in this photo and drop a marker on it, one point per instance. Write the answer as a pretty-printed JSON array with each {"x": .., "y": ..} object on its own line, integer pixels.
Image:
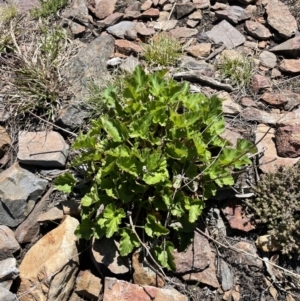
[
  {"x": 119, "y": 30},
  {"x": 78, "y": 11},
  {"x": 54, "y": 214},
  {"x": 183, "y": 32},
  {"x": 192, "y": 23},
  {"x": 114, "y": 62},
  {"x": 231, "y": 135},
  {"x": 8, "y": 243},
  {"x": 116, "y": 290},
  {"x": 47, "y": 149},
  {"x": 197, "y": 76},
  {"x": 143, "y": 30},
  {"x": 101, "y": 8},
  {"x": 199, "y": 50},
  {"x": 287, "y": 140},
  {"x": 290, "y": 66},
  {"x": 248, "y": 102},
  {"x": 131, "y": 34},
  {"x": 285, "y": 98},
  {"x": 233, "y": 14},
  {"x": 257, "y": 30},
  {"x": 246, "y": 1},
  {"x": 6, "y": 295},
  {"x": 244, "y": 259},
  {"x": 8, "y": 269},
  {"x": 151, "y": 13},
  {"x": 289, "y": 48},
  {"x": 111, "y": 19},
  {"x": 88, "y": 285},
  {"x": 268, "y": 59},
  {"x": 165, "y": 25},
  {"x": 278, "y": 11},
  {"x": 207, "y": 276},
  {"x": 75, "y": 297},
  {"x": 260, "y": 83},
  {"x": 228, "y": 105},
  {"x": 226, "y": 276},
  {"x": 226, "y": 34},
  {"x": 274, "y": 99},
  {"x": 146, "y": 5},
  {"x": 127, "y": 48},
  {"x": 53, "y": 263},
  {"x": 201, "y": 4},
  {"x": 130, "y": 64},
  {"x": 29, "y": 230},
  {"x": 269, "y": 162},
  {"x": 267, "y": 243},
  {"x": 197, "y": 15},
  {"x": 275, "y": 73},
  {"x": 72, "y": 116},
  {"x": 184, "y": 9},
  {"x": 4, "y": 141},
  {"x": 143, "y": 274},
  {"x": 196, "y": 258},
  {"x": 107, "y": 259},
  {"x": 81, "y": 70},
  {"x": 76, "y": 28},
  {"x": 233, "y": 212},
  {"x": 218, "y": 6},
  {"x": 19, "y": 189}
]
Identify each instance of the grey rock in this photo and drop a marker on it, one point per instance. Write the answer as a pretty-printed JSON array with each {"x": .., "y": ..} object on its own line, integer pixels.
[
  {"x": 78, "y": 11},
  {"x": 88, "y": 64},
  {"x": 226, "y": 34},
  {"x": 165, "y": 25},
  {"x": 8, "y": 269},
  {"x": 197, "y": 76},
  {"x": 19, "y": 189},
  {"x": 114, "y": 62},
  {"x": 25, "y": 6},
  {"x": 289, "y": 48},
  {"x": 268, "y": 59},
  {"x": 120, "y": 29},
  {"x": 226, "y": 276},
  {"x": 107, "y": 259},
  {"x": 183, "y": 32},
  {"x": 129, "y": 64},
  {"x": 233, "y": 14},
  {"x": 6, "y": 295},
  {"x": 8, "y": 242},
  {"x": 72, "y": 117},
  {"x": 184, "y": 9},
  {"x": 47, "y": 149}
]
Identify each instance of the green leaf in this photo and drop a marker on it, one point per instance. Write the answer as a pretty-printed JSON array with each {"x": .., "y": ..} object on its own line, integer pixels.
[
  {"x": 128, "y": 242},
  {"x": 110, "y": 129},
  {"x": 65, "y": 183},
  {"x": 113, "y": 218},
  {"x": 164, "y": 255},
  {"x": 128, "y": 164},
  {"x": 85, "y": 229},
  {"x": 154, "y": 228},
  {"x": 195, "y": 207}
]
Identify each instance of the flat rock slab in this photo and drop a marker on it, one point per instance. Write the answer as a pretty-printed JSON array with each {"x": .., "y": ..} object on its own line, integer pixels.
[
  {"x": 47, "y": 149},
  {"x": 88, "y": 285},
  {"x": 8, "y": 269},
  {"x": 119, "y": 30},
  {"x": 281, "y": 19},
  {"x": 287, "y": 140},
  {"x": 290, "y": 47},
  {"x": 6, "y": 295},
  {"x": 117, "y": 290},
  {"x": 52, "y": 262},
  {"x": 8, "y": 242},
  {"x": 233, "y": 14},
  {"x": 19, "y": 189},
  {"x": 257, "y": 30},
  {"x": 290, "y": 66},
  {"x": 226, "y": 34}
]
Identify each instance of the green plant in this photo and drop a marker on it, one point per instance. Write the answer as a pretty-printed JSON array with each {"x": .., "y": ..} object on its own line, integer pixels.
[
  {"x": 37, "y": 84},
  {"x": 238, "y": 69},
  {"x": 162, "y": 50},
  {"x": 277, "y": 204},
  {"x": 151, "y": 160},
  {"x": 48, "y": 8},
  {"x": 7, "y": 13}
]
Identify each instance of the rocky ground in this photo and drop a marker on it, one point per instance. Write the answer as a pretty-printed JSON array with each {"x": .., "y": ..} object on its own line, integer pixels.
[{"x": 42, "y": 259}]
